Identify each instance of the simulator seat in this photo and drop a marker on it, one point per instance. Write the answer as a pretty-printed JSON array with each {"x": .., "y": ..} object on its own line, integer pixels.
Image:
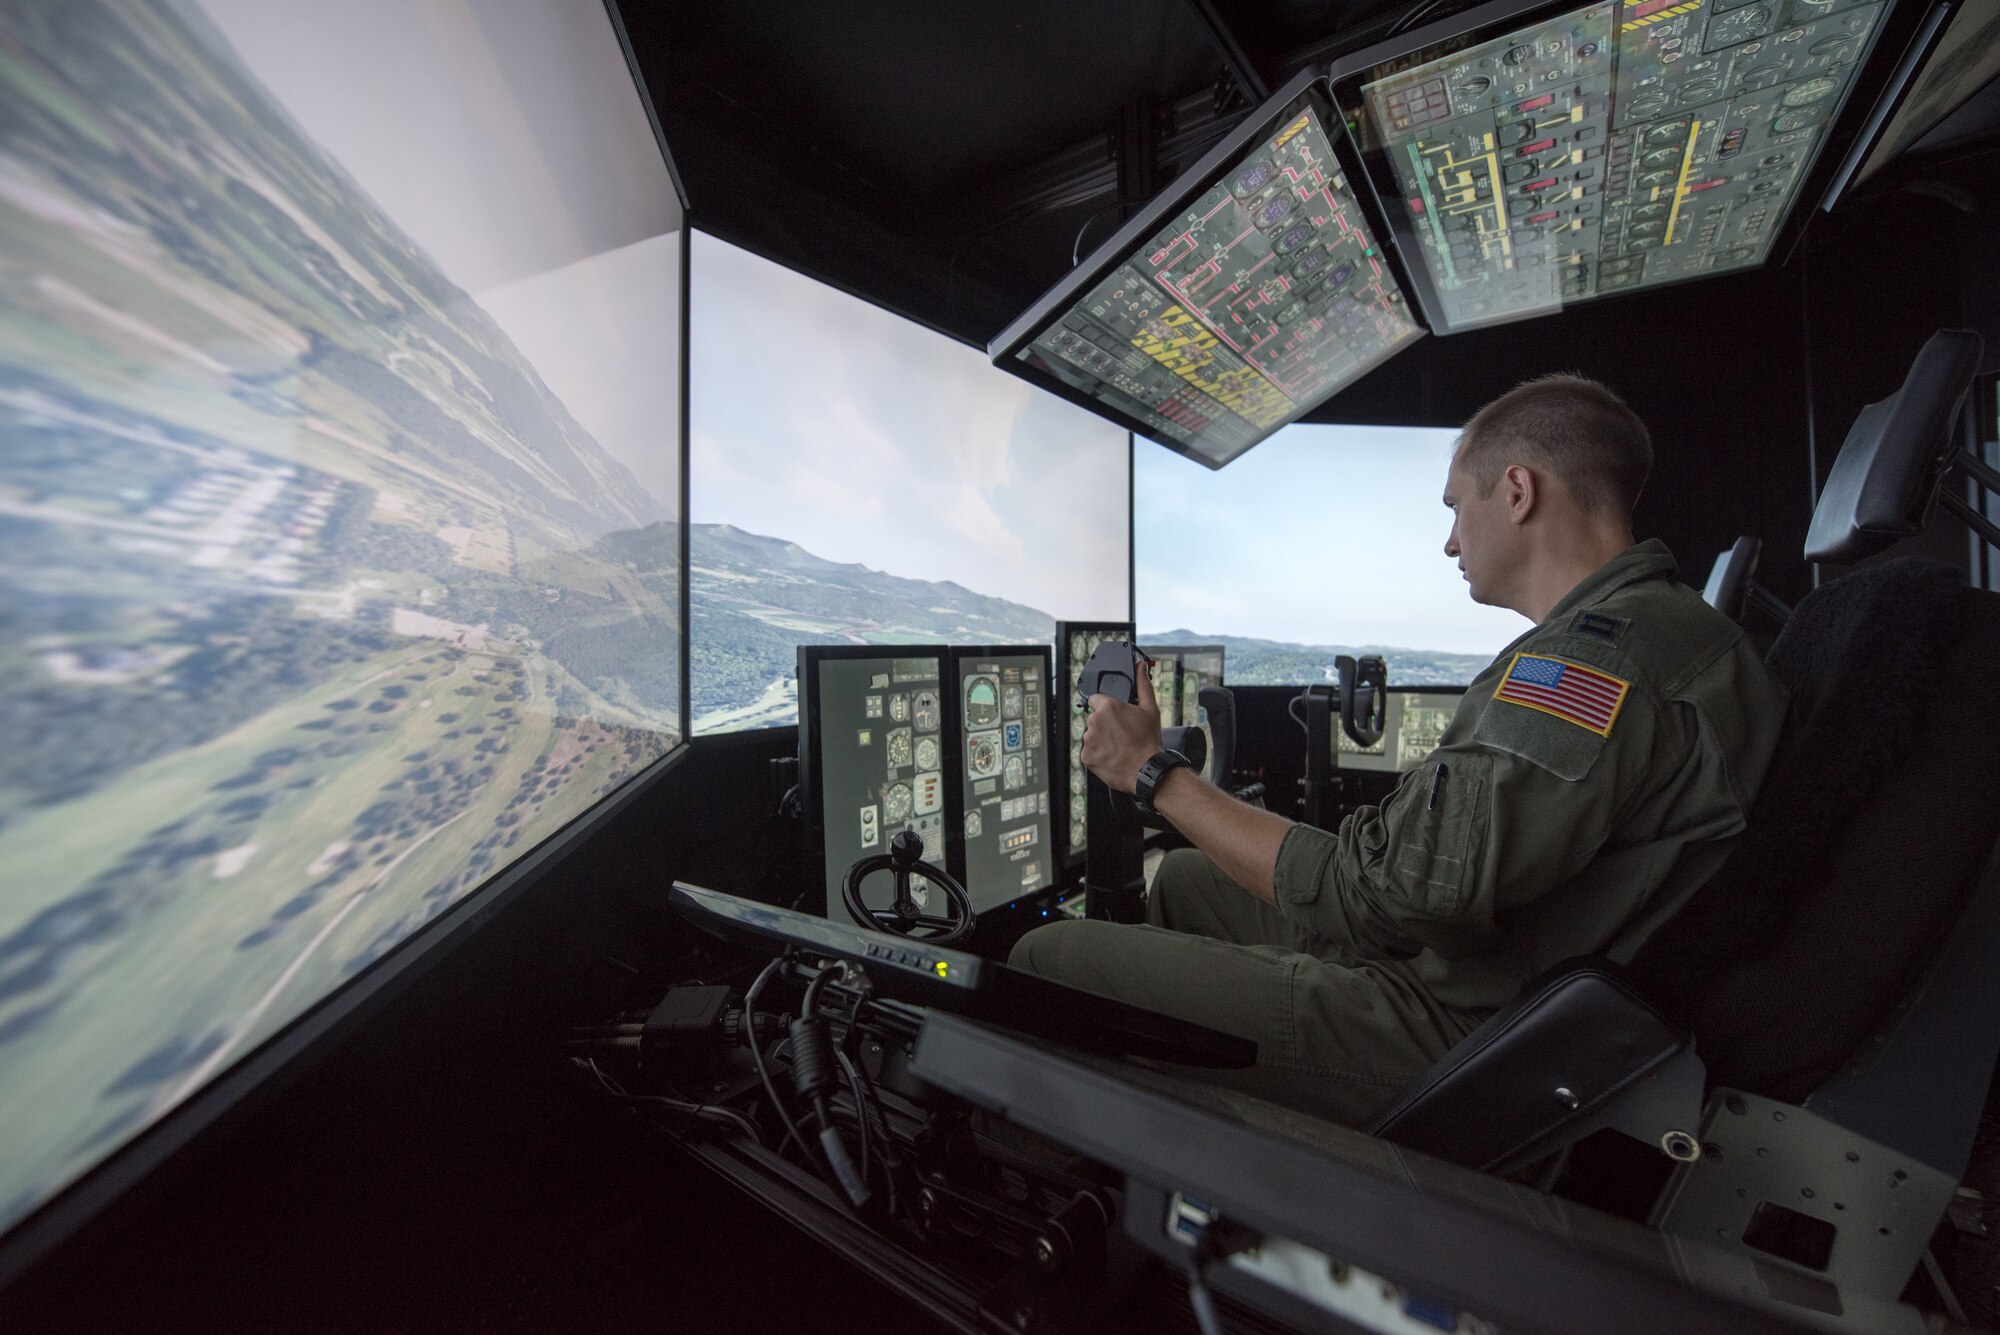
[
  {"x": 1831, "y": 977},
  {"x": 1733, "y": 590}
]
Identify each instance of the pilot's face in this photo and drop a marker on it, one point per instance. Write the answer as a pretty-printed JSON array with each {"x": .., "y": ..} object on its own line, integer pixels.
[{"x": 1481, "y": 535}]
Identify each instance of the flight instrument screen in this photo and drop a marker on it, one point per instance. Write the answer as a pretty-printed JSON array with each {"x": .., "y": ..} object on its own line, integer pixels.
[
  {"x": 1416, "y": 721},
  {"x": 879, "y": 765},
  {"x": 1262, "y": 297},
  {"x": 1004, "y": 714},
  {"x": 1076, "y": 641},
  {"x": 1614, "y": 147}
]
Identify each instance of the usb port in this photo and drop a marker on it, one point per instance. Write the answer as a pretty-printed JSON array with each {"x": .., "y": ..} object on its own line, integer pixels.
[{"x": 1187, "y": 1217}]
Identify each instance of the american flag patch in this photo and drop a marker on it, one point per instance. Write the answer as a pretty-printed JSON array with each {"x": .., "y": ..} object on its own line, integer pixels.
[{"x": 1580, "y": 695}]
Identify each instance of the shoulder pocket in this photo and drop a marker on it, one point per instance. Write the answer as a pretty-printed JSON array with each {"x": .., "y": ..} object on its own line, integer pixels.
[{"x": 1438, "y": 821}]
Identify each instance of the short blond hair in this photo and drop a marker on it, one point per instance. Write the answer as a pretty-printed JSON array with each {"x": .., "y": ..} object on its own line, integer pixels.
[{"x": 1573, "y": 428}]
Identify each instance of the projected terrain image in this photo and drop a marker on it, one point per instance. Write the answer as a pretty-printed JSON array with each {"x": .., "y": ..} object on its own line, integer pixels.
[{"x": 317, "y": 606}]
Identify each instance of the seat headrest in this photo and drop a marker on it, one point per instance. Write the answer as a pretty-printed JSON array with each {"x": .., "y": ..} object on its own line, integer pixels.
[
  {"x": 1729, "y": 578},
  {"x": 1886, "y": 478}
]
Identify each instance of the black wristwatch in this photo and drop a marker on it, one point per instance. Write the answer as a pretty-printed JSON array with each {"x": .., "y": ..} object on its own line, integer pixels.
[{"x": 1150, "y": 775}]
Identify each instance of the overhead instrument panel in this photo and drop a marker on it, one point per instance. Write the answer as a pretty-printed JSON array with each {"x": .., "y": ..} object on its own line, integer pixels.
[
  {"x": 1247, "y": 294},
  {"x": 1602, "y": 149}
]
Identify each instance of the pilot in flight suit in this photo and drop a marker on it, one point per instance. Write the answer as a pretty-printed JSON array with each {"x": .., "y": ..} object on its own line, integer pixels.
[{"x": 1590, "y": 781}]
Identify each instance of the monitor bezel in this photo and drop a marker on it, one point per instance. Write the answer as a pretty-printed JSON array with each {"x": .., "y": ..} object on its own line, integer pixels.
[
  {"x": 812, "y": 815},
  {"x": 955, "y": 831},
  {"x": 1072, "y": 857},
  {"x": 1189, "y": 185},
  {"x": 1346, "y": 75}
]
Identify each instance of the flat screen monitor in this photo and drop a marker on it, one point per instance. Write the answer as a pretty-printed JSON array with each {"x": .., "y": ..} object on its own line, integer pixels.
[
  {"x": 1005, "y": 777},
  {"x": 856, "y": 478},
  {"x": 1248, "y": 292},
  {"x": 1366, "y": 503},
  {"x": 1530, "y": 157},
  {"x": 878, "y": 745},
  {"x": 340, "y": 531},
  {"x": 1076, "y": 641},
  {"x": 1415, "y": 724}
]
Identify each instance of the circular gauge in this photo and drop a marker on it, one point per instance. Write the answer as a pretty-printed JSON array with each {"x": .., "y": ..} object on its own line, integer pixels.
[
  {"x": 1812, "y": 90},
  {"x": 1655, "y": 179},
  {"x": 1666, "y": 134},
  {"x": 1076, "y": 781},
  {"x": 975, "y": 824},
  {"x": 899, "y": 708},
  {"x": 1646, "y": 106},
  {"x": 1645, "y": 211},
  {"x": 896, "y": 804},
  {"x": 1646, "y": 230},
  {"x": 1661, "y": 157},
  {"x": 1010, "y": 701},
  {"x": 1518, "y": 54},
  {"x": 1295, "y": 236},
  {"x": 1289, "y": 315},
  {"x": 927, "y": 753},
  {"x": 982, "y": 754},
  {"x": 982, "y": 702},
  {"x": 1829, "y": 48},
  {"x": 899, "y": 747},
  {"x": 1738, "y": 25},
  {"x": 1472, "y": 87},
  {"x": 1586, "y": 51},
  {"x": 1252, "y": 179},
  {"x": 1275, "y": 212},
  {"x": 1700, "y": 90},
  {"x": 1795, "y": 120},
  {"x": 1076, "y": 813},
  {"x": 1015, "y": 774},
  {"x": 925, "y": 710},
  {"x": 920, "y": 893}
]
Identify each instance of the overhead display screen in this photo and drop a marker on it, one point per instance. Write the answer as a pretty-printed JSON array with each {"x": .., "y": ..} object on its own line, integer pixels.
[
  {"x": 1004, "y": 712},
  {"x": 1255, "y": 300},
  {"x": 1609, "y": 148},
  {"x": 339, "y": 510},
  {"x": 855, "y": 478}
]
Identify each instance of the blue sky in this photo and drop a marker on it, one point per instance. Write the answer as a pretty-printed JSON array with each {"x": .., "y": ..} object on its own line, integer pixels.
[
  {"x": 1321, "y": 535},
  {"x": 816, "y": 417}
]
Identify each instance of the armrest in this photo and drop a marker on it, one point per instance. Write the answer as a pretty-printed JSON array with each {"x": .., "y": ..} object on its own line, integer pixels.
[{"x": 1552, "y": 1059}]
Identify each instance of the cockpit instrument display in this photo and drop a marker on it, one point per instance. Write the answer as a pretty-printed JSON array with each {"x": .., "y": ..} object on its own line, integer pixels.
[
  {"x": 1006, "y": 781},
  {"x": 871, "y": 754},
  {"x": 1244, "y": 296},
  {"x": 1414, "y": 725},
  {"x": 1076, "y": 641},
  {"x": 1595, "y": 150}
]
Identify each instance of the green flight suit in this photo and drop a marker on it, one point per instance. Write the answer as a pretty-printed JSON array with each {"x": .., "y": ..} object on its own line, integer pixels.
[{"x": 1552, "y": 820}]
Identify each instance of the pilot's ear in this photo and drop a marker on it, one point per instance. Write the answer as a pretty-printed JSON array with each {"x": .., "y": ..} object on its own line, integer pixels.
[{"x": 1522, "y": 492}]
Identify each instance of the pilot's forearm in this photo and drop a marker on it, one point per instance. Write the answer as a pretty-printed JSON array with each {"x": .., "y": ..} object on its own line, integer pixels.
[{"x": 1240, "y": 839}]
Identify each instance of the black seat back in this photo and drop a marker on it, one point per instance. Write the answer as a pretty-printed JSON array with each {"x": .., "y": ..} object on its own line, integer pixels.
[
  {"x": 1896, "y": 454},
  {"x": 1865, "y": 841}
]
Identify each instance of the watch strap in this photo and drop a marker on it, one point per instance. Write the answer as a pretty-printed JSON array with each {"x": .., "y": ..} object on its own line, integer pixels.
[{"x": 1151, "y": 774}]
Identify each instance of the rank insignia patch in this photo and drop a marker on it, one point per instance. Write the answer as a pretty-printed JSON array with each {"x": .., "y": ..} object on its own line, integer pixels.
[
  {"x": 1598, "y": 626},
  {"x": 1574, "y": 693}
]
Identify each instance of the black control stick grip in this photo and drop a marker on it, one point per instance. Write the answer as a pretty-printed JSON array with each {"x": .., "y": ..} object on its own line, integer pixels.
[
  {"x": 1364, "y": 698},
  {"x": 1113, "y": 670}
]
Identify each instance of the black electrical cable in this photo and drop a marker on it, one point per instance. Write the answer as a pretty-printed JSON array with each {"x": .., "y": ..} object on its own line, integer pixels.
[
  {"x": 757, "y": 1055},
  {"x": 706, "y": 1112}
]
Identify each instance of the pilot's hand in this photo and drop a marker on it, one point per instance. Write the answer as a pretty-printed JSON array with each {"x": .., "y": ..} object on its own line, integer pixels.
[{"x": 1121, "y": 738}]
